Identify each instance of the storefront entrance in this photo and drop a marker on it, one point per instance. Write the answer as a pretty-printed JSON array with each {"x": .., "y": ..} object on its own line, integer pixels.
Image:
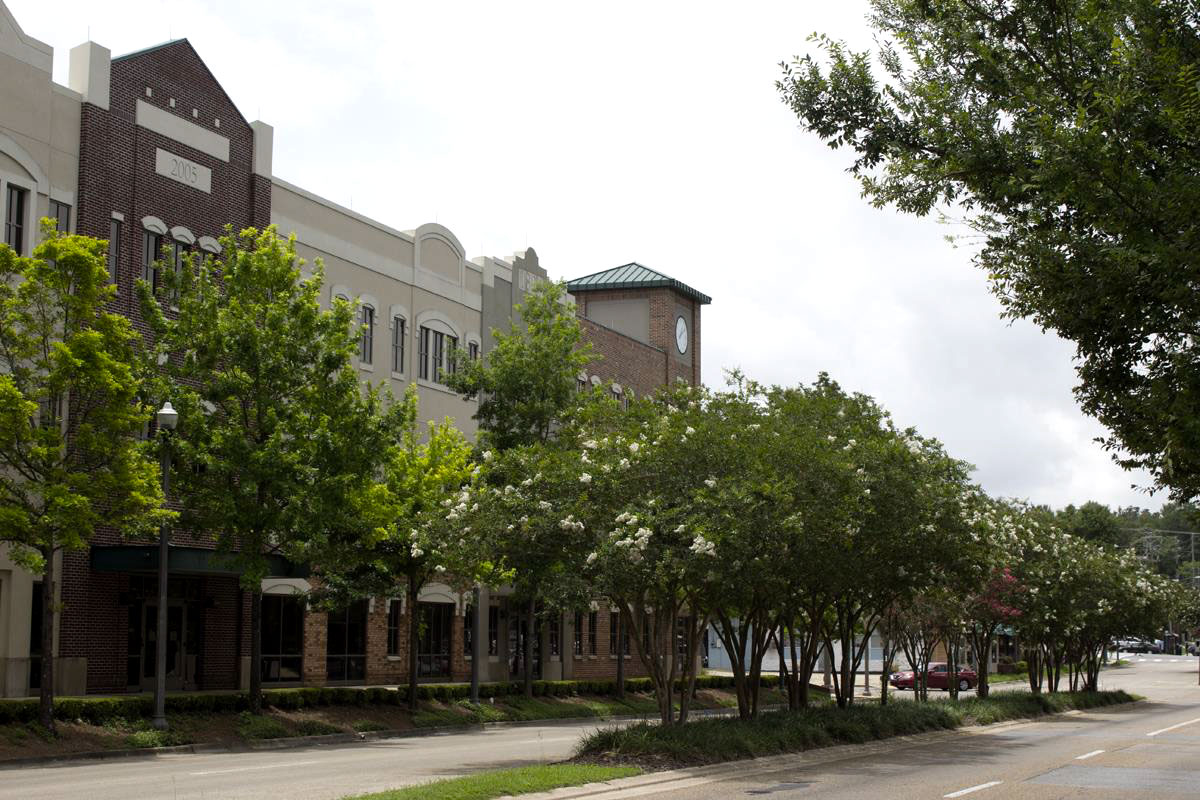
[{"x": 183, "y": 640}]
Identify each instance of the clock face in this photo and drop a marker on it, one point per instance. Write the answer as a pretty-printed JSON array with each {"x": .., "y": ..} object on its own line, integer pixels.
[{"x": 681, "y": 335}]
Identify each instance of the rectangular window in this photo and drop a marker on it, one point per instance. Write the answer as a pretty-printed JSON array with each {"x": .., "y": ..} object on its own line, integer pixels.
[
  {"x": 366, "y": 348},
  {"x": 35, "y": 638},
  {"x": 591, "y": 632},
  {"x": 452, "y": 354},
  {"x": 282, "y": 637},
  {"x": 114, "y": 249},
  {"x": 179, "y": 252},
  {"x": 578, "y": 633},
  {"x": 61, "y": 214},
  {"x": 433, "y": 647},
  {"x": 14, "y": 219},
  {"x": 473, "y": 350},
  {"x": 346, "y": 643},
  {"x": 393, "y": 628},
  {"x": 399, "y": 337},
  {"x": 614, "y": 621},
  {"x": 151, "y": 253},
  {"x": 423, "y": 353},
  {"x": 469, "y": 631},
  {"x": 438, "y": 355},
  {"x": 555, "y": 634},
  {"x": 493, "y": 630}
]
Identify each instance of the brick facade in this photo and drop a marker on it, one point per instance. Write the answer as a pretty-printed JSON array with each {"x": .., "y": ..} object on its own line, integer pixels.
[{"x": 645, "y": 366}]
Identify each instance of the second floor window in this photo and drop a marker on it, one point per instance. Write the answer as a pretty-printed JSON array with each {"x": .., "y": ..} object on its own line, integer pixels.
[
  {"x": 435, "y": 354},
  {"x": 61, "y": 214},
  {"x": 14, "y": 219},
  {"x": 367, "y": 346},
  {"x": 114, "y": 249},
  {"x": 151, "y": 252},
  {"x": 473, "y": 350},
  {"x": 399, "y": 337}
]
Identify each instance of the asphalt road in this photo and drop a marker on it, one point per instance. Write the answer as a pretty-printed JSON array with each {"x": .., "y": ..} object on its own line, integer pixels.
[{"x": 1031, "y": 760}]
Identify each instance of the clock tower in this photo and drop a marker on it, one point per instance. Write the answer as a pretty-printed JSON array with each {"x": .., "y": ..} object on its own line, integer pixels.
[{"x": 645, "y": 325}]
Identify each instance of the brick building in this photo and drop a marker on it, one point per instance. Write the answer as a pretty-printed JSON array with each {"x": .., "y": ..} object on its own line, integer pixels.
[{"x": 147, "y": 150}]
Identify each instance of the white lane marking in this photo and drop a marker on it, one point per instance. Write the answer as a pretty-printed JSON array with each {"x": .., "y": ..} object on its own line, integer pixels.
[
  {"x": 547, "y": 740},
  {"x": 1088, "y": 755},
  {"x": 970, "y": 789},
  {"x": 1173, "y": 727},
  {"x": 248, "y": 769}
]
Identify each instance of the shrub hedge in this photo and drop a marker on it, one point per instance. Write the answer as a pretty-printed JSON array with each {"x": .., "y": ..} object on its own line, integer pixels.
[{"x": 98, "y": 710}]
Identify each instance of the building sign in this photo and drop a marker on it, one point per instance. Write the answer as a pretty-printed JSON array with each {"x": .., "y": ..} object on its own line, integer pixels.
[{"x": 180, "y": 169}]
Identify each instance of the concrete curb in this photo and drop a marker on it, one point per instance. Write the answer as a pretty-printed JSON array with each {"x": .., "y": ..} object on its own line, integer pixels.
[{"x": 293, "y": 742}]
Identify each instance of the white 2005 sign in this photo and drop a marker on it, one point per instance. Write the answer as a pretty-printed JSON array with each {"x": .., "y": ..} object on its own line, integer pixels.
[{"x": 180, "y": 169}]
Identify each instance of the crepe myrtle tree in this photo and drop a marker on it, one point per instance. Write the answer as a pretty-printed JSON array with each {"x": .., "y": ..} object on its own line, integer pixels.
[
  {"x": 657, "y": 558},
  {"x": 71, "y": 407},
  {"x": 527, "y": 503},
  {"x": 276, "y": 435},
  {"x": 412, "y": 533}
]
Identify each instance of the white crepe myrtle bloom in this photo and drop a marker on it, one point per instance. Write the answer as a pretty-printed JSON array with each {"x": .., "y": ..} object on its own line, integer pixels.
[
  {"x": 585, "y": 478},
  {"x": 488, "y": 456},
  {"x": 544, "y": 505},
  {"x": 634, "y": 447},
  {"x": 527, "y": 482},
  {"x": 447, "y": 503},
  {"x": 417, "y": 552},
  {"x": 680, "y": 528},
  {"x": 453, "y": 515},
  {"x": 583, "y": 457},
  {"x": 623, "y": 463},
  {"x": 711, "y": 483},
  {"x": 689, "y": 430},
  {"x": 592, "y": 556},
  {"x": 590, "y": 444},
  {"x": 831, "y": 438},
  {"x": 440, "y": 568},
  {"x": 703, "y": 547}
]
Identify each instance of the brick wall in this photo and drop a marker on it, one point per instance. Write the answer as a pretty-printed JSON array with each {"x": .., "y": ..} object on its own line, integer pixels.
[
  {"x": 645, "y": 366},
  {"x": 117, "y": 174},
  {"x": 316, "y": 630}
]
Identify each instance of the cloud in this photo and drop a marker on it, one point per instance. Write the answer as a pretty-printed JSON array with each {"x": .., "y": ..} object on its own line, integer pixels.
[{"x": 648, "y": 132}]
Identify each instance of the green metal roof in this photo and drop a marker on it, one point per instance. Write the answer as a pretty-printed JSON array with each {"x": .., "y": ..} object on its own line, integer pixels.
[{"x": 633, "y": 276}]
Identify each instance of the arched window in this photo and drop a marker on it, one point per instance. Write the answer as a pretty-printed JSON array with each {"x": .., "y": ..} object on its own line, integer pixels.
[
  {"x": 367, "y": 345},
  {"x": 399, "y": 338}
]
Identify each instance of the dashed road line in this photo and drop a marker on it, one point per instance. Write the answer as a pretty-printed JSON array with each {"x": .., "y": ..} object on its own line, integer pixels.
[
  {"x": 970, "y": 789},
  {"x": 249, "y": 769},
  {"x": 1173, "y": 727},
  {"x": 1088, "y": 755}
]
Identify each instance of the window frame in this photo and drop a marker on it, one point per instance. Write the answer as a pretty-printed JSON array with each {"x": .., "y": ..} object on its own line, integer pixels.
[
  {"x": 115, "y": 236},
  {"x": 16, "y": 205},
  {"x": 394, "y": 626},
  {"x": 366, "y": 344},
  {"x": 399, "y": 340},
  {"x": 152, "y": 243},
  {"x": 60, "y": 212}
]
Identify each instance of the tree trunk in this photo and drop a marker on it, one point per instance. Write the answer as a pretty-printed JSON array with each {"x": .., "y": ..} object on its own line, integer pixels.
[
  {"x": 414, "y": 637},
  {"x": 46, "y": 694},
  {"x": 530, "y": 632},
  {"x": 256, "y": 695}
]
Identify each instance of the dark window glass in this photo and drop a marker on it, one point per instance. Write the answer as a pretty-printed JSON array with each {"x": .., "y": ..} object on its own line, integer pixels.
[
  {"x": 114, "y": 249},
  {"x": 469, "y": 631},
  {"x": 151, "y": 253},
  {"x": 346, "y": 643},
  {"x": 433, "y": 647},
  {"x": 399, "y": 337},
  {"x": 493, "y": 630},
  {"x": 578, "y": 633},
  {"x": 179, "y": 252},
  {"x": 366, "y": 348},
  {"x": 35, "y": 638},
  {"x": 282, "y": 637},
  {"x": 473, "y": 350},
  {"x": 591, "y": 633},
  {"x": 133, "y": 646},
  {"x": 14, "y": 219},
  {"x": 423, "y": 353},
  {"x": 681, "y": 631},
  {"x": 452, "y": 354},
  {"x": 61, "y": 214},
  {"x": 555, "y": 634},
  {"x": 645, "y": 633},
  {"x": 614, "y": 621},
  {"x": 438, "y": 355},
  {"x": 393, "y": 628}
]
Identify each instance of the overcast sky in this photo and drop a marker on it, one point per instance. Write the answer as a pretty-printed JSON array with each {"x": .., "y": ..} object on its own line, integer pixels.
[{"x": 647, "y": 132}]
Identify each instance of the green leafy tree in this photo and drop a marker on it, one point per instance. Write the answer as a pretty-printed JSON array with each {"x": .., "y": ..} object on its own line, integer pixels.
[
  {"x": 528, "y": 380},
  {"x": 275, "y": 435},
  {"x": 70, "y": 412},
  {"x": 1096, "y": 523},
  {"x": 1067, "y": 133}
]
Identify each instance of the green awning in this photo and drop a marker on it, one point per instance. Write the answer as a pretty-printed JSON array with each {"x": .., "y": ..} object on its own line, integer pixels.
[{"x": 183, "y": 561}]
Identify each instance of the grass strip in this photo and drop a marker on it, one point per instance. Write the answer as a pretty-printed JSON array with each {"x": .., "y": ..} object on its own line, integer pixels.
[
  {"x": 501, "y": 782},
  {"x": 713, "y": 740}
]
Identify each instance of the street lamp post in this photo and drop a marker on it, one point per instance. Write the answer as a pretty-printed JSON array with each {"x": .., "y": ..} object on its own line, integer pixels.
[{"x": 166, "y": 417}]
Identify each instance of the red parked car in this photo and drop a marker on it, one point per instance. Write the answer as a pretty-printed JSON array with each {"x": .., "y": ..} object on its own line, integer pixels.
[{"x": 936, "y": 678}]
